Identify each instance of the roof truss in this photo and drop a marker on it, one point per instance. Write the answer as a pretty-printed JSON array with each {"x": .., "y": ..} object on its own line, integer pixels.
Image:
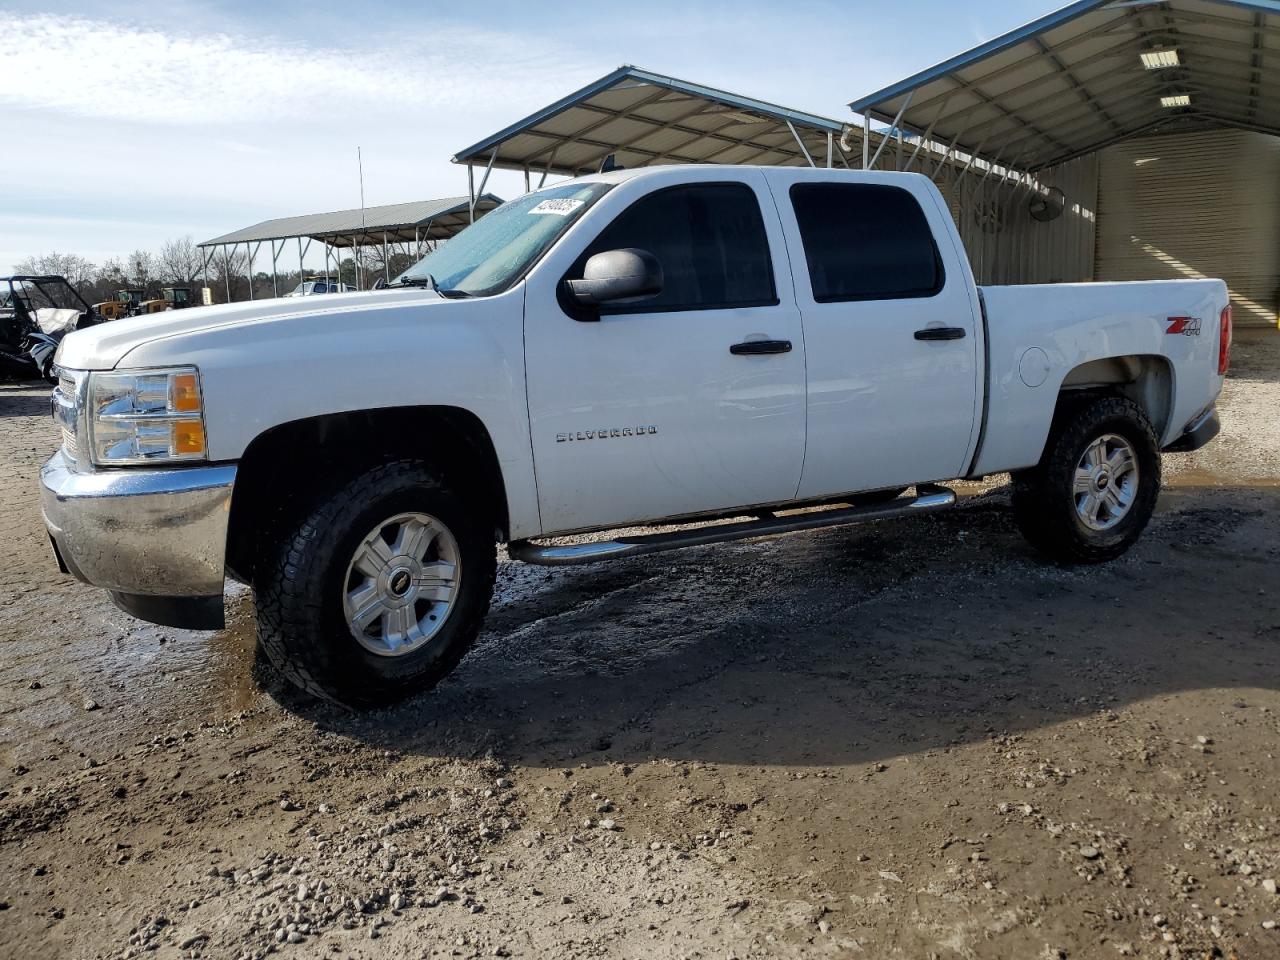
[{"x": 1073, "y": 81}]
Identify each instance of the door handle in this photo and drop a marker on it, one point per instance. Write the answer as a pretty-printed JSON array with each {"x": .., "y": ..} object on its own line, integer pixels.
[
  {"x": 760, "y": 348},
  {"x": 941, "y": 333}
]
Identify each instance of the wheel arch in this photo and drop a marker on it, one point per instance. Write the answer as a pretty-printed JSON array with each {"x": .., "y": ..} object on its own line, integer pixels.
[
  {"x": 1146, "y": 379},
  {"x": 1023, "y": 418},
  {"x": 287, "y": 468}
]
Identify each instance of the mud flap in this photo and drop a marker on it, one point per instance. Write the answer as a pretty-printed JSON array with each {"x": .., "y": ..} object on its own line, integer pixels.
[{"x": 189, "y": 613}]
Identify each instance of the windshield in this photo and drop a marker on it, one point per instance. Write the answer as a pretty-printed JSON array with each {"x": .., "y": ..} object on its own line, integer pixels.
[{"x": 496, "y": 251}]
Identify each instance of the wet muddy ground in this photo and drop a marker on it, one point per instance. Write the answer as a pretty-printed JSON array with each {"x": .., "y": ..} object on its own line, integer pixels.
[{"x": 911, "y": 739}]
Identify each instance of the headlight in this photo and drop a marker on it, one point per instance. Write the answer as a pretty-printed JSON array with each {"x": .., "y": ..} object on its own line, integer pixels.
[{"x": 146, "y": 416}]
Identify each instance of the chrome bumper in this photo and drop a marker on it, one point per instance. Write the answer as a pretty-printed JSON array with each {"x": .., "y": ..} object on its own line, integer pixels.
[{"x": 151, "y": 532}]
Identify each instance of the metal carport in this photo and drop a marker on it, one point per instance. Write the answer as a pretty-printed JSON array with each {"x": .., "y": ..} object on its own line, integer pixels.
[
  {"x": 1175, "y": 102},
  {"x": 414, "y": 226},
  {"x": 641, "y": 118}
]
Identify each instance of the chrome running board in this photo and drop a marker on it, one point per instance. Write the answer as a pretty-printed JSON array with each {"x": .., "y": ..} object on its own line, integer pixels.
[{"x": 928, "y": 498}]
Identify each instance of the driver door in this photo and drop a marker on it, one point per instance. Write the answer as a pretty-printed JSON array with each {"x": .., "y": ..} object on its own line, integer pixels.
[{"x": 657, "y": 409}]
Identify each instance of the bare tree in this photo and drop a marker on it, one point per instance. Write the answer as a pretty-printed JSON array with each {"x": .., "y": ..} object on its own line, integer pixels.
[
  {"x": 78, "y": 271},
  {"x": 111, "y": 277},
  {"x": 112, "y": 272},
  {"x": 141, "y": 266},
  {"x": 227, "y": 276},
  {"x": 180, "y": 261}
]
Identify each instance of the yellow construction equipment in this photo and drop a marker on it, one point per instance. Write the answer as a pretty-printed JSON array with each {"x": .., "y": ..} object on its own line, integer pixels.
[
  {"x": 170, "y": 298},
  {"x": 124, "y": 305}
]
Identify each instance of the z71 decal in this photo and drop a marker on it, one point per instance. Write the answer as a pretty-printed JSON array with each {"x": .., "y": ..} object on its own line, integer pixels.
[{"x": 1187, "y": 326}]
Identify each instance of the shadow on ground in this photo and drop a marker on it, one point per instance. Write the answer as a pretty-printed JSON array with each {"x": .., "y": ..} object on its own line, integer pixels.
[
  {"x": 850, "y": 645},
  {"x": 17, "y": 400}
]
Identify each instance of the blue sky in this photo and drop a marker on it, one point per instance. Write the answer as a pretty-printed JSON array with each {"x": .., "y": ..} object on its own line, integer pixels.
[{"x": 131, "y": 123}]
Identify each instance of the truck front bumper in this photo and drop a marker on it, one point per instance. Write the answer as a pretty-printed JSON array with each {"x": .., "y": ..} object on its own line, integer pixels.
[{"x": 155, "y": 538}]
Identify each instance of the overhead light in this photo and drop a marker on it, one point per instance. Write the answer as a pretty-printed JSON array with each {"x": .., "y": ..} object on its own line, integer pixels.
[
  {"x": 1160, "y": 59},
  {"x": 1178, "y": 100}
]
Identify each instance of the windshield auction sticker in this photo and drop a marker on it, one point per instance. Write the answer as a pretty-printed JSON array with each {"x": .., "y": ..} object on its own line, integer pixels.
[{"x": 557, "y": 208}]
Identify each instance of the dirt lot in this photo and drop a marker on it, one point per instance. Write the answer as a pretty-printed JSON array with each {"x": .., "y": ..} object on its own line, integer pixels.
[{"x": 906, "y": 740}]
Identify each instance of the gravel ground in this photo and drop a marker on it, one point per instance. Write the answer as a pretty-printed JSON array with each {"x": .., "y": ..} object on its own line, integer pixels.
[{"x": 906, "y": 740}]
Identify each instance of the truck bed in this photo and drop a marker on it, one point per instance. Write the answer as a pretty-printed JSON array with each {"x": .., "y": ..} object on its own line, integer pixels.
[{"x": 1041, "y": 337}]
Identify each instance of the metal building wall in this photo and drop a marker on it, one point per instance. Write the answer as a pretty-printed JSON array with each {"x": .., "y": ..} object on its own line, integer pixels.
[
  {"x": 1195, "y": 205},
  {"x": 1006, "y": 245}
]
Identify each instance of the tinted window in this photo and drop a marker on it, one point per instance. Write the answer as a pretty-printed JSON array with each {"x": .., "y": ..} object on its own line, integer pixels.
[
  {"x": 865, "y": 242},
  {"x": 710, "y": 241}
]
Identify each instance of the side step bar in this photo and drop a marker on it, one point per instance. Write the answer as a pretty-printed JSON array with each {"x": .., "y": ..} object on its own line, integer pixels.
[{"x": 928, "y": 498}]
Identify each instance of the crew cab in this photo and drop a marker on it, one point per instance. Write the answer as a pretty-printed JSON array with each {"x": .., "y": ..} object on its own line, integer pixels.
[{"x": 714, "y": 352}]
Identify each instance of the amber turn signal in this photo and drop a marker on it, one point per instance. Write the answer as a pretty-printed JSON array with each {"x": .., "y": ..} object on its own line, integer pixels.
[
  {"x": 188, "y": 437},
  {"x": 185, "y": 393}
]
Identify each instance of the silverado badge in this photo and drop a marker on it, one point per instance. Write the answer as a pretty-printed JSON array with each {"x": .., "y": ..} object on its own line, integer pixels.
[{"x": 607, "y": 433}]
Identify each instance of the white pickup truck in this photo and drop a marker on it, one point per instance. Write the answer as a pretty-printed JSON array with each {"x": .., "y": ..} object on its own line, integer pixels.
[{"x": 723, "y": 352}]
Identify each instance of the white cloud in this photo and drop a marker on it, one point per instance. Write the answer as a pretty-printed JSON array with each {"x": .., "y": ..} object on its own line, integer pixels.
[{"x": 97, "y": 68}]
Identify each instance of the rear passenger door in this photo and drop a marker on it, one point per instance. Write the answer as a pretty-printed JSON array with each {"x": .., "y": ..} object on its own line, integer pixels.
[{"x": 889, "y": 326}]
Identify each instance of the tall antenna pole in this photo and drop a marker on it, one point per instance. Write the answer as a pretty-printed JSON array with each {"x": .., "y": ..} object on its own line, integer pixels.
[
  {"x": 360, "y": 167},
  {"x": 355, "y": 250}
]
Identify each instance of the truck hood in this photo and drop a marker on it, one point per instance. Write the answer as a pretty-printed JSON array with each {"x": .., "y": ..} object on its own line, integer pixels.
[{"x": 103, "y": 346}]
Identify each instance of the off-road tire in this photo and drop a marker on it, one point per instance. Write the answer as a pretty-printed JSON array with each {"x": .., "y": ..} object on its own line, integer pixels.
[
  {"x": 1044, "y": 503},
  {"x": 298, "y": 594}
]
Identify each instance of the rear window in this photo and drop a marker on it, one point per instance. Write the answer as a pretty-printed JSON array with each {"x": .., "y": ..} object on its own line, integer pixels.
[{"x": 866, "y": 241}]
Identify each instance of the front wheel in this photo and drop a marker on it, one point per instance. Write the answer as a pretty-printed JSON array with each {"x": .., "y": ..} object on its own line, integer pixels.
[
  {"x": 1095, "y": 488},
  {"x": 380, "y": 591}
]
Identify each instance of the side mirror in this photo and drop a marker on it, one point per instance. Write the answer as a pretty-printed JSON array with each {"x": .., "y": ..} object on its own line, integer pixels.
[{"x": 618, "y": 276}]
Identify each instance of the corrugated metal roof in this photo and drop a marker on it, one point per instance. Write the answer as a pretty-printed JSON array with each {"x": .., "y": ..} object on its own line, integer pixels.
[
  {"x": 1095, "y": 73},
  {"x": 399, "y": 221},
  {"x": 644, "y": 118}
]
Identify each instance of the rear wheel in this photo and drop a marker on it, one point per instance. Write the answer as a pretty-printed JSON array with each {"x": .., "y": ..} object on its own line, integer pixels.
[
  {"x": 1094, "y": 490},
  {"x": 379, "y": 592}
]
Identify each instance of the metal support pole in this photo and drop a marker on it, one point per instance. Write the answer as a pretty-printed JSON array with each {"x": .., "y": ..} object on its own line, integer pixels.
[
  {"x": 484, "y": 181},
  {"x": 471, "y": 190},
  {"x": 928, "y": 134},
  {"x": 526, "y": 180},
  {"x": 866, "y": 140},
  {"x": 991, "y": 165},
  {"x": 800, "y": 144},
  {"x": 547, "y": 169},
  {"x": 386, "y": 259},
  {"x": 226, "y": 270},
  {"x": 275, "y": 273},
  {"x": 933, "y": 172},
  {"x": 892, "y": 127},
  {"x": 972, "y": 157},
  {"x": 830, "y": 149},
  {"x": 252, "y": 254}
]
